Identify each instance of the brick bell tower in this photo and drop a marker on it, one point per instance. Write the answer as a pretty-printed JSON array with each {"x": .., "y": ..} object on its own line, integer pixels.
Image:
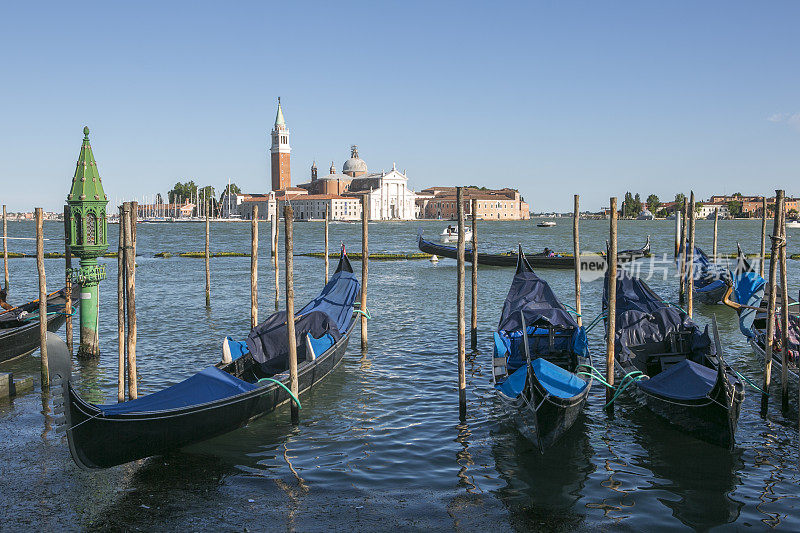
[{"x": 280, "y": 150}]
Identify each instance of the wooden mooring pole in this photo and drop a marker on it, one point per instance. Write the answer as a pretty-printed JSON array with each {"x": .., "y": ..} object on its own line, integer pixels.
[
  {"x": 761, "y": 260},
  {"x": 327, "y": 215},
  {"x": 208, "y": 260},
  {"x": 462, "y": 375},
  {"x": 275, "y": 231},
  {"x": 364, "y": 267},
  {"x": 678, "y": 234},
  {"x": 45, "y": 368},
  {"x": 254, "y": 268},
  {"x": 682, "y": 264},
  {"x": 5, "y": 249},
  {"x": 131, "y": 209},
  {"x": 68, "y": 279},
  {"x": 576, "y": 250},
  {"x": 716, "y": 224},
  {"x": 781, "y": 208},
  {"x": 288, "y": 218},
  {"x": 690, "y": 261},
  {"x": 611, "y": 320},
  {"x": 772, "y": 288},
  {"x": 121, "y": 307},
  {"x": 474, "y": 316}
]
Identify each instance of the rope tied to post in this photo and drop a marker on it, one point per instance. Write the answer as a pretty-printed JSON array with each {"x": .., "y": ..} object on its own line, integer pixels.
[
  {"x": 627, "y": 380},
  {"x": 293, "y": 397},
  {"x": 365, "y": 313}
]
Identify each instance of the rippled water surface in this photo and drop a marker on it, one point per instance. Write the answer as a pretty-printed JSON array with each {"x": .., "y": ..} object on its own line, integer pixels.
[{"x": 380, "y": 444}]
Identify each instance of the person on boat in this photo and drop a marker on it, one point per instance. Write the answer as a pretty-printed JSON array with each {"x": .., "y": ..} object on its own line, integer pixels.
[
  {"x": 450, "y": 229},
  {"x": 5, "y": 305},
  {"x": 548, "y": 252}
]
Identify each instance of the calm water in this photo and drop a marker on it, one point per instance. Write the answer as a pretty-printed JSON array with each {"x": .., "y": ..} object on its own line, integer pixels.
[{"x": 379, "y": 444}]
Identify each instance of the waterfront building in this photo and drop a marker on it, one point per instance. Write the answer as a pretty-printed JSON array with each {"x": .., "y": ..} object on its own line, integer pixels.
[
  {"x": 387, "y": 193},
  {"x": 706, "y": 210},
  {"x": 313, "y": 206},
  {"x": 493, "y": 204}
]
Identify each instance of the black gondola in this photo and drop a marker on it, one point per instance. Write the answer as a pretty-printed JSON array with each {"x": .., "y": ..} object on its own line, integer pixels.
[
  {"x": 19, "y": 327},
  {"x": 747, "y": 296},
  {"x": 509, "y": 259},
  {"x": 711, "y": 279},
  {"x": 684, "y": 378},
  {"x": 220, "y": 398},
  {"x": 539, "y": 349}
]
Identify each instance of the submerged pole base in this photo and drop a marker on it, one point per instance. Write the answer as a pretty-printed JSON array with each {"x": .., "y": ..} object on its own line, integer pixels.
[{"x": 90, "y": 345}]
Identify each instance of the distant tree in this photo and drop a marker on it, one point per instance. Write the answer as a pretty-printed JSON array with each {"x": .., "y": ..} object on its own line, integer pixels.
[
  {"x": 653, "y": 203},
  {"x": 183, "y": 190},
  {"x": 662, "y": 213},
  {"x": 792, "y": 213},
  {"x": 735, "y": 208},
  {"x": 679, "y": 198},
  {"x": 159, "y": 199},
  {"x": 627, "y": 206},
  {"x": 737, "y": 194},
  {"x": 234, "y": 190},
  {"x": 637, "y": 204}
]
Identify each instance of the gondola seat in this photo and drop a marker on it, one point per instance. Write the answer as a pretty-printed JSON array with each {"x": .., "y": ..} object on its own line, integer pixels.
[
  {"x": 558, "y": 382},
  {"x": 315, "y": 347}
]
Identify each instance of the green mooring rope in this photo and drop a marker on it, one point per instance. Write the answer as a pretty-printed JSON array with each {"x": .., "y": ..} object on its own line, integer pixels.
[
  {"x": 627, "y": 380},
  {"x": 594, "y": 322},
  {"x": 756, "y": 387},
  {"x": 366, "y": 313},
  {"x": 574, "y": 311},
  {"x": 296, "y": 400}
]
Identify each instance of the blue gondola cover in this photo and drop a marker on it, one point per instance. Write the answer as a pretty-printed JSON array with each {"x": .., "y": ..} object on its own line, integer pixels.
[
  {"x": 686, "y": 380},
  {"x": 748, "y": 289},
  {"x": 558, "y": 382},
  {"x": 208, "y": 385}
]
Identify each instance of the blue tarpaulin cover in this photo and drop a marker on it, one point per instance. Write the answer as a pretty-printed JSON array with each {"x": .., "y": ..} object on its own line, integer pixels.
[
  {"x": 558, "y": 382},
  {"x": 642, "y": 318},
  {"x": 686, "y": 380},
  {"x": 330, "y": 312},
  {"x": 748, "y": 289},
  {"x": 708, "y": 276},
  {"x": 206, "y": 386},
  {"x": 514, "y": 384}
]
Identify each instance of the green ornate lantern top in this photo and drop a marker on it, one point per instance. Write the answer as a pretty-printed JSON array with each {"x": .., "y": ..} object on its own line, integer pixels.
[{"x": 87, "y": 205}]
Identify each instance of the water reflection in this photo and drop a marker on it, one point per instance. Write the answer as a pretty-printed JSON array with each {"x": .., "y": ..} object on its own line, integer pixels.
[
  {"x": 700, "y": 476},
  {"x": 542, "y": 489}
]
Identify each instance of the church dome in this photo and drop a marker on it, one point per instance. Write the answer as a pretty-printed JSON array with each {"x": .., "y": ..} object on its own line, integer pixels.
[{"x": 355, "y": 165}]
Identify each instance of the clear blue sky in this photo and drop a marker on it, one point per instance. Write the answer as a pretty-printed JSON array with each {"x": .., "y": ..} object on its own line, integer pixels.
[{"x": 553, "y": 98}]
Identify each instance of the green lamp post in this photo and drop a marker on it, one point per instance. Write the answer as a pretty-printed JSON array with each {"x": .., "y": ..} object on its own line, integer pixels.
[{"x": 88, "y": 240}]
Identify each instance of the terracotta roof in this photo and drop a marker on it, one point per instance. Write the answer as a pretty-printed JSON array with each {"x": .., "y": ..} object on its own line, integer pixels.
[{"x": 322, "y": 197}]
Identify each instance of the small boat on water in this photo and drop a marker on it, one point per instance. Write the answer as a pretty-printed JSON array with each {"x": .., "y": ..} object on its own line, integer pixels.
[
  {"x": 711, "y": 280},
  {"x": 539, "y": 349},
  {"x": 218, "y": 399},
  {"x": 450, "y": 234},
  {"x": 747, "y": 296},
  {"x": 546, "y": 259},
  {"x": 546, "y": 224},
  {"x": 19, "y": 326},
  {"x": 672, "y": 365},
  {"x": 793, "y": 224}
]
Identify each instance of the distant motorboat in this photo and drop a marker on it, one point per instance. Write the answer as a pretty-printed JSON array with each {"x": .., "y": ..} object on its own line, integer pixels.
[
  {"x": 546, "y": 224},
  {"x": 646, "y": 215},
  {"x": 450, "y": 234},
  {"x": 793, "y": 223}
]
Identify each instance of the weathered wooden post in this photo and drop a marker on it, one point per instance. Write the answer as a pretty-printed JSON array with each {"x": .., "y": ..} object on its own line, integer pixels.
[
  {"x": 677, "y": 231},
  {"x": 763, "y": 236},
  {"x": 690, "y": 261},
  {"x": 772, "y": 288},
  {"x": 576, "y": 250},
  {"x": 121, "y": 278},
  {"x": 68, "y": 281},
  {"x": 276, "y": 228},
  {"x": 208, "y": 260},
  {"x": 474, "y": 324},
  {"x": 682, "y": 265},
  {"x": 364, "y": 266},
  {"x": 611, "y": 319},
  {"x": 288, "y": 218},
  {"x": 5, "y": 248},
  {"x": 130, "y": 296},
  {"x": 89, "y": 229},
  {"x": 326, "y": 244},
  {"x": 462, "y": 375},
  {"x": 254, "y": 268},
  {"x": 42, "y": 297},
  {"x": 780, "y": 207},
  {"x": 716, "y": 223}
]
